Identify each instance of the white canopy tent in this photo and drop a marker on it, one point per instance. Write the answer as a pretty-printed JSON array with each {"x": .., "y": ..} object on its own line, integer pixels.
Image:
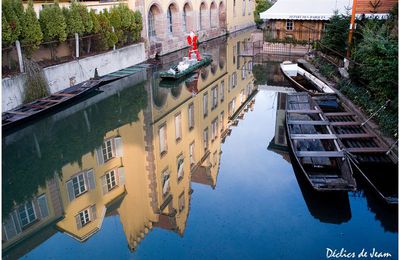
[{"x": 306, "y": 10}]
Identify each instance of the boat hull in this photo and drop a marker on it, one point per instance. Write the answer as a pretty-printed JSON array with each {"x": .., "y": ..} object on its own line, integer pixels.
[{"x": 204, "y": 62}]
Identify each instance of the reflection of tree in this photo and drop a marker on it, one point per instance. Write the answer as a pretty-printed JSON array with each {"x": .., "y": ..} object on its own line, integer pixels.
[
  {"x": 260, "y": 75},
  {"x": 34, "y": 158}
]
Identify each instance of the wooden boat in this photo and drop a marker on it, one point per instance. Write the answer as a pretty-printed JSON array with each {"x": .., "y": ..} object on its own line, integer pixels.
[
  {"x": 27, "y": 112},
  {"x": 366, "y": 152},
  {"x": 315, "y": 147},
  {"x": 190, "y": 65},
  {"x": 303, "y": 80}
]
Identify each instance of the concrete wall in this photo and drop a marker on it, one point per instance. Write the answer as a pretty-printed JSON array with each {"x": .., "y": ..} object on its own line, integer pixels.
[{"x": 64, "y": 75}]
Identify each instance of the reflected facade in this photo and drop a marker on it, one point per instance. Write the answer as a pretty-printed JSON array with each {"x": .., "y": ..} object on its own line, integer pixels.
[{"x": 132, "y": 150}]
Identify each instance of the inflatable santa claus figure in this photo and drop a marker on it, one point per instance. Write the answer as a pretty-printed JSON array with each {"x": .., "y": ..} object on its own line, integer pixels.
[{"x": 192, "y": 41}]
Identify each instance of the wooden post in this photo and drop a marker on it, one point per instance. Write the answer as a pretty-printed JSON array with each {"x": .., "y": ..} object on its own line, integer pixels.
[
  {"x": 352, "y": 23},
  {"x": 19, "y": 52},
  {"x": 77, "y": 45},
  {"x": 112, "y": 28}
]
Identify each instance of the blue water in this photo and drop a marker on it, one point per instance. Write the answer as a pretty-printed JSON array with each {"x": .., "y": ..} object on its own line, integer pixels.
[
  {"x": 256, "y": 211},
  {"x": 260, "y": 208}
]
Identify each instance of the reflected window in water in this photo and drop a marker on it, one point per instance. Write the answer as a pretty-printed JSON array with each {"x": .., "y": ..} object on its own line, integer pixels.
[
  {"x": 180, "y": 167},
  {"x": 214, "y": 97},
  {"x": 111, "y": 180},
  {"x": 178, "y": 127},
  {"x": 221, "y": 120},
  {"x": 85, "y": 216},
  {"x": 221, "y": 90},
  {"x": 165, "y": 182},
  {"x": 214, "y": 129},
  {"x": 205, "y": 104},
  {"x": 191, "y": 116},
  {"x": 205, "y": 139},
  {"x": 191, "y": 154},
  {"x": 26, "y": 214},
  {"x": 181, "y": 201},
  {"x": 162, "y": 133}
]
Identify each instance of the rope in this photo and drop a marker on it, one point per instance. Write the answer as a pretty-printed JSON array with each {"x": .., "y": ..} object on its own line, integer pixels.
[{"x": 377, "y": 111}]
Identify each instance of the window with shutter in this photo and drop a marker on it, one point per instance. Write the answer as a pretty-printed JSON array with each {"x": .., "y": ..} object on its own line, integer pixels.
[
  {"x": 121, "y": 176},
  {"x": 162, "y": 133},
  {"x": 180, "y": 167},
  {"x": 9, "y": 227},
  {"x": 191, "y": 154},
  {"x": 26, "y": 213},
  {"x": 118, "y": 146},
  {"x": 222, "y": 86},
  {"x": 178, "y": 127},
  {"x": 91, "y": 179},
  {"x": 205, "y": 104},
  {"x": 42, "y": 202},
  {"x": 191, "y": 116}
]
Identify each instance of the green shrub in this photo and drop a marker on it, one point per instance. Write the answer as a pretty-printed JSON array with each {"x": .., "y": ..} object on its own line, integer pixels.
[
  {"x": 12, "y": 12},
  {"x": 31, "y": 34},
  {"x": 52, "y": 22}
]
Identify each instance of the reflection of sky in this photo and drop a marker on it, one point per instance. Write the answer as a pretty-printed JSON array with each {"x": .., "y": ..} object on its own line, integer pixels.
[{"x": 257, "y": 210}]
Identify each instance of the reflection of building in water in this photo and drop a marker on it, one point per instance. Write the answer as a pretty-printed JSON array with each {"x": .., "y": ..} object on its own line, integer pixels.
[
  {"x": 278, "y": 144},
  {"x": 141, "y": 169}
]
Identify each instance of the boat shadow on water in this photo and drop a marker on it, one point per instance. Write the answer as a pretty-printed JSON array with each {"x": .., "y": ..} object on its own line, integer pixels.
[{"x": 328, "y": 207}]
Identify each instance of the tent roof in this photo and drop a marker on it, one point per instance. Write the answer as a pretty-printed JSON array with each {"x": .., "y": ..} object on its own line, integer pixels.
[{"x": 306, "y": 10}]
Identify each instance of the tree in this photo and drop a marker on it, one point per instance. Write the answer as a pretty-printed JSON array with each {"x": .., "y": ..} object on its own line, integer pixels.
[
  {"x": 31, "y": 34},
  {"x": 108, "y": 38},
  {"x": 52, "y": 22},
  {"x": 54, "y": 27},
  {"x": 6, "y": 32},
  {"x": 334, "y": 38},
  {"x": 377, "y": 63},
  {"x": 261, "y": 6},
  {"x": 11, "y": 11},
  {"x": 137, "y": 26},
  {"x": 78, "y": 19}
]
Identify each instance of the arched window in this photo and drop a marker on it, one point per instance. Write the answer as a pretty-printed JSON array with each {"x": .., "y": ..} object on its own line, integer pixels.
[
  {"x": 169, "y": 19},
  {"x": 184, "y": 20},
  {"x": 152, "y": 30}
]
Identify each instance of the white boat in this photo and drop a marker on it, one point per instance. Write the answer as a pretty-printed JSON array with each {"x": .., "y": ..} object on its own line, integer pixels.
[{"x": 304, "y": 80}]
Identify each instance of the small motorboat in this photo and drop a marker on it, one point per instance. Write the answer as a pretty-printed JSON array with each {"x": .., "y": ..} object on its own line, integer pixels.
[
  {"x": 185, "y": 67},
  {"x": 303, "y": 80}
]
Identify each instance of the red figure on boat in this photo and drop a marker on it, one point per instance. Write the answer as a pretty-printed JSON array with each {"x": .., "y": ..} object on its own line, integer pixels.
[{"x": 192, "y": 41}]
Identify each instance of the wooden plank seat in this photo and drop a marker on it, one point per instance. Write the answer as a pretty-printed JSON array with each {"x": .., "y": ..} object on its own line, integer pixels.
[
  {"x": 313, "y": 136},
  {"x": 339, "y": 114},
  {"x": 63, "y": 94},
  {"x": 306, "y": 111},
  {"x": 367, "y": 150},
  {"x": 319, "y": 153},
  {"x": 350, "y": 136},
  {"x": 50, "y": 100},
  {"x": 18, "y": 112},
  {"x": 308, "y": 122}
]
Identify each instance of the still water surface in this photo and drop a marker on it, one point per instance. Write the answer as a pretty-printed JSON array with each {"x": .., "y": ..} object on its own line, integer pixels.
[{"x": 198, "y": 171}]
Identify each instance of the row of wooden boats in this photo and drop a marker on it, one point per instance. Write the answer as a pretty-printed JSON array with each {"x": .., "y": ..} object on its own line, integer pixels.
[
  {"x": 40, "y": 107},
  {"x": 329, "y": 143}
]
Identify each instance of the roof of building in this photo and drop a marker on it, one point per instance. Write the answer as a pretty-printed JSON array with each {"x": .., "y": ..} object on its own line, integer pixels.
[{"x": 311, "y": 10}]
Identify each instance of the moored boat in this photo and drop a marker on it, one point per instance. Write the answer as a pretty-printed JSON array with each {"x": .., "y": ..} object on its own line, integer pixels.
[
  {"x": 303, "y": 80},
  {"x": 185, "y": 67},
  {"x": 314, "y": 146},
  {"x": 40, "y": 107}
]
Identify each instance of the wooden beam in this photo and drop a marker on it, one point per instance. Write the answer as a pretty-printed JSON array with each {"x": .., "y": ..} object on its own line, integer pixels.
[
  {"x": 299, "y": 111},
  {"x": 312, "y": 136},
  {"x": 340, "y": 114},
  {"x": 367, "y": 150},
  {"x": 304, "y": 122},
  {"x": 345, "y": 123},
  {"x": 319, "y": 154},
  {"x": 18, "y": 113},
  {"x": 63, "y": 94},
  {"x": 349, "y": 136}
]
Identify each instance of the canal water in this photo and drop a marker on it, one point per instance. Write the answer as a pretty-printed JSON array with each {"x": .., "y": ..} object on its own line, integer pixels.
[{"x": 196, "y": 169}]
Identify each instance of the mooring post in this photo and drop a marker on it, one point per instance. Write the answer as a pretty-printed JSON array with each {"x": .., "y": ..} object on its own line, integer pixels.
[
  {"x": 19, "y": 52},
  {"x": 77, "y": 45}
]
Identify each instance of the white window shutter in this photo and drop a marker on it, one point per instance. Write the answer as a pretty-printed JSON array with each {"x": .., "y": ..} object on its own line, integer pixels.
[
  {"x": 99, "y": 155},
  {"x": 180, "y": 168},
  {"x": 121, "y": 176},
  {"x": 43, "y": 208},
  {"x": 104, "y": 184},
  {"x": 91, "y": 179},
  {"x": 118, "y": 147},
  {"x": 93, "y": 212},
  {"x": 9, "y": 227},
  {"x": 70, "y": 189},
  {"x": 78, "y": 222}
]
